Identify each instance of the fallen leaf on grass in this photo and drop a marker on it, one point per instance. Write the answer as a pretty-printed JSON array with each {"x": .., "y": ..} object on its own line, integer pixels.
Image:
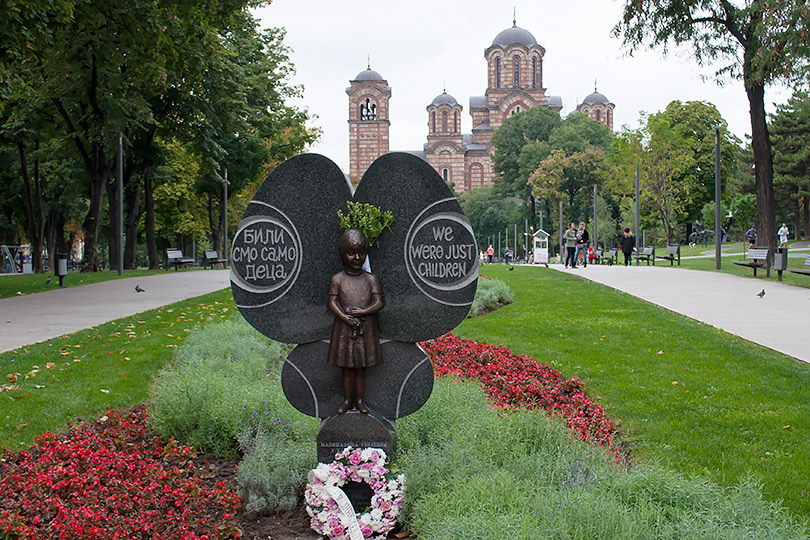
[
  {"x": 660, "y": 352},
  {"x": 104, "y": 391},
  {"x": 50, "y": 365},
  {"x": 39, "y": 386},
  {"x": 786, "y": 427},
  {"x": 21, "y": 426},
  {"x": 8, "y": 388},
  {"x": 674, "y": 383}
]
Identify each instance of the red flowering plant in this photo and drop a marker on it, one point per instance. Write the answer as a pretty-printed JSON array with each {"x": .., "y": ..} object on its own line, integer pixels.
[
  {"x": 112, "y": 480},
  {"x": 518, "y": 381}
]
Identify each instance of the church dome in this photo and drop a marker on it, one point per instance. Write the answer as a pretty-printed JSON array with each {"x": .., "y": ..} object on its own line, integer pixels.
[
  {"x": 368, "y": 75},
  {"x": 514, "y": 35},
  {"x": 444, "y": 99},
  {"x": 596, "y": 97}
]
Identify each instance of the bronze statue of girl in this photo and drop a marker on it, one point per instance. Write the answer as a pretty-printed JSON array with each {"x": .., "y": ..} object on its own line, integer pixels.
[{"x": 355, "y": 298}]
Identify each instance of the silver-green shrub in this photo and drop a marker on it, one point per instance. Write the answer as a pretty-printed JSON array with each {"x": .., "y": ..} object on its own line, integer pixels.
[
  {"x": 489, "y": 296},
  {"x": 222, "y": 385},
  {"x": 474, "y": 472}
]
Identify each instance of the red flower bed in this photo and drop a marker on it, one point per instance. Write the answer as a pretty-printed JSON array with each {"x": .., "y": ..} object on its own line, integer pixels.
[
  {"x": 111, "y": 480},
  {"x": 518, "y": 381}
]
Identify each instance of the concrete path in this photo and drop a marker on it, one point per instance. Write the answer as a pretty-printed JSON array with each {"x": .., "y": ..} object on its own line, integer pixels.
[
  {"x": 38, "y": 317},
  {"x": 780, "y": 320}
]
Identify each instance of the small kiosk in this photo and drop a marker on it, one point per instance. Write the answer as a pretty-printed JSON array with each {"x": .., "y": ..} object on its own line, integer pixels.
[{"x": 540, "y": 247}]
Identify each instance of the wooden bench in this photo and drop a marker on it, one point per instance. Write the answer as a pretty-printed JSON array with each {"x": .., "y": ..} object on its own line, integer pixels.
[
  {"x": 212, "y": 257},
  {"x": 673, "y": 254},
  {"x": 174, "y": 257},
  {"x": 602, "y": 258},
  {"x": 804, "y": 271},
  {"x": 645, "y": 254},
  {"x": 760, "y": 258}
]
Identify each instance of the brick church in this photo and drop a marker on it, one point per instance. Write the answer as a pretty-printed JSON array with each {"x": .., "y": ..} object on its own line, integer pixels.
[{"x": 514, "y": 84}]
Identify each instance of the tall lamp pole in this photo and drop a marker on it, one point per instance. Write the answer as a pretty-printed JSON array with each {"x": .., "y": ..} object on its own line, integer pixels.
[
  {"x": 120, "y": 189},
  {"x": 718, "y": 239},
  {"x": 225, "y": 208}
]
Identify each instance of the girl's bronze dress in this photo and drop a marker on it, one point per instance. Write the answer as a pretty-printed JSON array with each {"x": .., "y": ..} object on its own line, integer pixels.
[{"x": 355, "y": 347}]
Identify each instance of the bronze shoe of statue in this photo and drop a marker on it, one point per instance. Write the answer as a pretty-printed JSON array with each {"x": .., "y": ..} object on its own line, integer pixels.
[
  {"x": 345, "y": 406},
  {"x": 360, "y": 406}
]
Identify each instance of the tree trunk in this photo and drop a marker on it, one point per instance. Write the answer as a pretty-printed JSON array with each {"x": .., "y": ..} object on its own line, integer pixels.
[
  {"x": 151, "y": 246},
  {"x": 113, "y": 233},
  {"x": 806, "y": 216},
  {"x": 216, "y": 232},
  {"x": 132, "y": 203},
  {"x": 797, "y": 216},
  {"x": 763, "y": 166},
  {"x": 33, "y": 199}
]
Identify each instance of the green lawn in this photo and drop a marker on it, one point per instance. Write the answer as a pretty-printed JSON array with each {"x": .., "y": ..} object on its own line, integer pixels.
[
  {"x": 19, "y": 284},
  {"x": 693, "y": 397},
  {"x": 81, "y": 375}
]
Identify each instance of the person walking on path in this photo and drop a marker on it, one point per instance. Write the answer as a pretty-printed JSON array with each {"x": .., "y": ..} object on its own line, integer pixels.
[
  {"x": 507, "y": 254},
  {"x": 490, "y": 253},
  {"x": 628, "y": 243},
  {"x": 783, "y": 233},
  {"x": 582, "y": 244},
  {"x": 570, "y": 239},
  {"x": 751, "y": 236}
]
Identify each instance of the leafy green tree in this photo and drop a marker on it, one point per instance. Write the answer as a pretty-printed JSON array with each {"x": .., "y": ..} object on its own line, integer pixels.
[
  {"x": 790, "y": 128},
  {"x": 697, "y": 121},
  {"x": 519, "y": 145},
  {"x": 757, "y": 41},
  {"x": 490, "y": 213}
]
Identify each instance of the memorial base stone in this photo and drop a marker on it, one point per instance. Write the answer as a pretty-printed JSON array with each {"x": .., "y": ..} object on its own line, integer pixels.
[{"x": 354, "y": 429}]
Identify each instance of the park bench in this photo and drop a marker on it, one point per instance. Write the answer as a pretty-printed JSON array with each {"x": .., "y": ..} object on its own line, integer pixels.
[
  {"x": 645, "y": 254},
  {"x": 759, "y": 258},
  {"x": 174, "y": 257},
  {"x": 673, "y": 253},
  {"x": 802, "y": 270},
  {"x": 613, "y": 256},
  {"x": 602, "y": 258},
  {"x": 212, "y": 257}
]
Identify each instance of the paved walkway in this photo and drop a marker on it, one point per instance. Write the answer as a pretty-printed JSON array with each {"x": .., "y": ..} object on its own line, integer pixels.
[
  {"x": 38, "y": 317},
  {"x": 780, "y": 320}
]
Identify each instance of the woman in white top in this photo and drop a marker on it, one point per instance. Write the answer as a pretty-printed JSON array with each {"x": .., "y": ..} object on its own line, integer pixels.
[{"x": 783, "y": 233}]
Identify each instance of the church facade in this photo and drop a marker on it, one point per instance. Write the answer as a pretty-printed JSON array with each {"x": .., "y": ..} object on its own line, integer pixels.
[{"x": 514, "y": 84}]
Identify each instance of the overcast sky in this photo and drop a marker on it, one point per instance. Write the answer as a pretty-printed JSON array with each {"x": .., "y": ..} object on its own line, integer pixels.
[{"x": 421, "y": 46}]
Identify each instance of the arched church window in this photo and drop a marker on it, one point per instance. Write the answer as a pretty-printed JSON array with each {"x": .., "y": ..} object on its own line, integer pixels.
[
  {"x": 517, "y": 71},
  {"x": 516, "y": 110},
  {"x": 498, "y": 72},
  {"x": 433, "y": 122},
  {"x": 534, "y": 72},
  {"x": 456, "y": 127},
  {"x": 444, "y": 121},
  {"x": 368, "y": 110},
  {"x": 598, "y": 116},
  {"x": 445, "y": 175}
]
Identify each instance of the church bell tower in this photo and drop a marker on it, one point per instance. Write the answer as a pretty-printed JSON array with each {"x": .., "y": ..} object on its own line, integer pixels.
[{"x": 369, "y": 122}]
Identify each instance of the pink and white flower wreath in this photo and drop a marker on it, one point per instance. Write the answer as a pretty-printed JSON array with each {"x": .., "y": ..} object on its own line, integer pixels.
[{"x": 355, "y": 465}]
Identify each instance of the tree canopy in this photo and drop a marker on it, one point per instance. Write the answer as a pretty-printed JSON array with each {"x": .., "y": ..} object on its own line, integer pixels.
[{"x": 756, "y": 41}]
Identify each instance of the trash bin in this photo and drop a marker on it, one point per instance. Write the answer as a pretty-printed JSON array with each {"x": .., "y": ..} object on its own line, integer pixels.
[
  {"x": 780, "y": 261},
  {"x": 61, "y": 268}
]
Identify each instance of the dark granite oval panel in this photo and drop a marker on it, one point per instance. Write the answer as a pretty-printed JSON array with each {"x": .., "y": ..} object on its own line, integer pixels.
[
  {"x": 396, "y": 388},
  {"x": 428, "y": 262},
  {"x": 285, "y": 250}
]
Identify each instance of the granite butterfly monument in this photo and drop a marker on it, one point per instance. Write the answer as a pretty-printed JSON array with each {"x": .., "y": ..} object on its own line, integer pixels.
[{"x": 286, "y": 268}]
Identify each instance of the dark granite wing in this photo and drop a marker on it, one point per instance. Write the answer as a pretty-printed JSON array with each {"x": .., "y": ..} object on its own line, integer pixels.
[
  {"x": 284, "y": 251},
  {"x": 428, "y": 261},
  {"x": 396, "y": 388}
]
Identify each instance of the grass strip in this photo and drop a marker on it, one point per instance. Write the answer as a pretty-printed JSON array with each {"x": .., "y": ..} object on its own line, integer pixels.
[
  {"x": 693, "y": 397},
  {"x": 47, "y": 385}
]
